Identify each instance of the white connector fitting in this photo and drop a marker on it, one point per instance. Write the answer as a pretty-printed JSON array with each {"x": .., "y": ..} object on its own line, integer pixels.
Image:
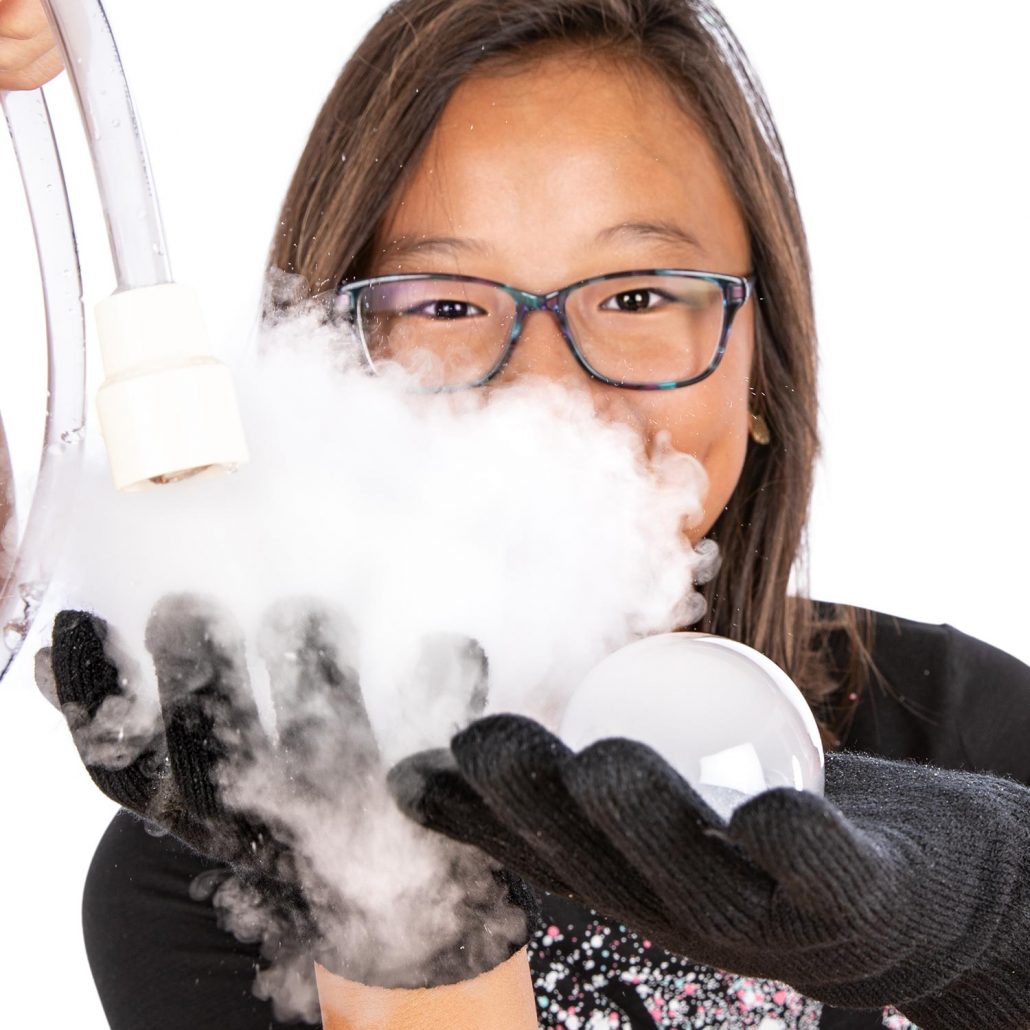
[{"x": 167, "y": 407}]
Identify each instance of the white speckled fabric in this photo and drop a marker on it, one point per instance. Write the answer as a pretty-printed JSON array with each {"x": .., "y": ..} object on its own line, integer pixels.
[{"x": 595, "y": 976}]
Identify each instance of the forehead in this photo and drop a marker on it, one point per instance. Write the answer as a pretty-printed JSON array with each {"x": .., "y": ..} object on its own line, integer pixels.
[{"x": 564, "y": 149}]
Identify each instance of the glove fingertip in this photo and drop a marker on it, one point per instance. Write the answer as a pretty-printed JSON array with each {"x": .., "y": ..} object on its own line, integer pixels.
[
  {"x": 479, "y": 690},
  {"x": 77, "y": 629},
  {"x": 489, "y": 746},
  {"x": 629, "y": 772},
  {"x": 71, "y": 619},
  {"x": 82, "y": 672},
  {"x": 429, "y": 789},
  {"x": 414, "y": 780},
  {"x": 800, "y": 840},
  {"x": 779, "y": 806}
]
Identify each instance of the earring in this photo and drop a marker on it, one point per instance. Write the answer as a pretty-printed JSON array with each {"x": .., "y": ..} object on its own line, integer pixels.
[{"x": 759, "y": 429}]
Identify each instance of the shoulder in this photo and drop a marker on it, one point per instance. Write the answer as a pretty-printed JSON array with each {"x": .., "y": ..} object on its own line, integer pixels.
[
  {"x": 158, "y": 955},
  {"x": 939, "y": 695}
]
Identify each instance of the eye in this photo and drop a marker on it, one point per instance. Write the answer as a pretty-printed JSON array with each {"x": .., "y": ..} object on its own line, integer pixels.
[
  {"x": 446, "y": 310},
  {"x": 636, "y": 299}
]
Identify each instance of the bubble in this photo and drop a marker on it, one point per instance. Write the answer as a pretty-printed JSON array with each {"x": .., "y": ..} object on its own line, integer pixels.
[
  {"x": 32, "y": 591},
  {"x": 73, "y": 436},
  {"x": 729, "y": 720},
  {"x": 13, "y": 635}
]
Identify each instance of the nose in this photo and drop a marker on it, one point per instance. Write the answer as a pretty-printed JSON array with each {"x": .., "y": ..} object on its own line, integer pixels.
[{"x": 541, "y": 350}]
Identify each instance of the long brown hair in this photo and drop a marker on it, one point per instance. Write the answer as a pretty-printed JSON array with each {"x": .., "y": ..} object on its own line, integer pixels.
[{"x": 376, "y": 122}]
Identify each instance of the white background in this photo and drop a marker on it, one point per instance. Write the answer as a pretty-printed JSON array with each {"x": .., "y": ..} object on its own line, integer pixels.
[{"x": 905, "y": 125}]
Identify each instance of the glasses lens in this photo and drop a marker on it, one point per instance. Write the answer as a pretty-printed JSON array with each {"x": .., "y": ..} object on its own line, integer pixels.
[
  {"x": 445, "y": 332},
  {"x": 645, "y": 330}
]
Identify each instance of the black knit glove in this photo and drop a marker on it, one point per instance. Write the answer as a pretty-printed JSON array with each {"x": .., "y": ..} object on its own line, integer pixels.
[
  {"x": 184, "y": 771},
  {"x": 907, "y": 885}
]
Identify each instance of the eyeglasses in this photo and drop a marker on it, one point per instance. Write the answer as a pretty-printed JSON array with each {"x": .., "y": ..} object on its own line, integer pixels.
[{"x": 659, "y": 329}]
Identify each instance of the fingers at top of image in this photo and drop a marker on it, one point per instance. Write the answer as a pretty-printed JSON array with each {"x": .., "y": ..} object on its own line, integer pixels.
[
  {"x": 322, "y": 725},
  {"x": 28, "y": 53},
  {"x": 441, "y": 688},
  {"x": 457, "y": 665},
  {"x": 116, "y": 731},
  {"x": 23, "y": 19},
  {"x": 209, "y": 712}
]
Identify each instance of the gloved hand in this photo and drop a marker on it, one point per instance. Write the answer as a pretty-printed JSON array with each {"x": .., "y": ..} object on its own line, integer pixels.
[
  {"x": 202, "y": 765},
  {"x": 908, "y": 885}
]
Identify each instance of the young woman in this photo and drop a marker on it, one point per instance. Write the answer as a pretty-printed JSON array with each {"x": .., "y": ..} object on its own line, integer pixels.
[{"x": 599, "y": 161}]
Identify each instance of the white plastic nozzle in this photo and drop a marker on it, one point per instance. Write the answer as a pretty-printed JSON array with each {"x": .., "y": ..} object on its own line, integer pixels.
[{"x": 167, "y": 407}]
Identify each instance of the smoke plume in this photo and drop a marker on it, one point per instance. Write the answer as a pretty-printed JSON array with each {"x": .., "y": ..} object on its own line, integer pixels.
[{"x": 410, "y": 524}]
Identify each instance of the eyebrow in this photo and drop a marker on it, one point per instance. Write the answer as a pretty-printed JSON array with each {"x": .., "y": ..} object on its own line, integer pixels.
[
  {"x": 662, "y": 231},
  {"x": 405, "y": 246}
]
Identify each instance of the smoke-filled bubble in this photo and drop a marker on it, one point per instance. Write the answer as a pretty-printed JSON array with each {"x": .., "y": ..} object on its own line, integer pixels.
[{"x": 387, "y": 564}]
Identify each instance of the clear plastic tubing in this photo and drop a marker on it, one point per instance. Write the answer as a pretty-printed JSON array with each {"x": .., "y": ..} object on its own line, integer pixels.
[
  {"x": 36, "y": 151},
  {"x": 138, "y": 253},
  {"x": 115, "y": 141},
  {"x": 139, "y": 256},
  {"x": 167, "y": 408}
]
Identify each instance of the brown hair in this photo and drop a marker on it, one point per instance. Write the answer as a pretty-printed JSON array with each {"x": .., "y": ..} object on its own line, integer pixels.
[{"x": 377, "y": 120}]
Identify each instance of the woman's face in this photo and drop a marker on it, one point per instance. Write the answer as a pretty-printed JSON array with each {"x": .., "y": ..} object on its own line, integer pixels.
[{"x": 572, "y": 168}]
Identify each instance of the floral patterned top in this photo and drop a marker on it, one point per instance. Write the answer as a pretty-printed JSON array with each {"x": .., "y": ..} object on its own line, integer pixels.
[{"x": 590, "y": 975}]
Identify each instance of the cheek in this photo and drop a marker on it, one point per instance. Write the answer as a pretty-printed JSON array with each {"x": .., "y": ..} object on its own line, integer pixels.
[
  {"x": 723, "y": 463},
  {"x": 711, "y": 421}
]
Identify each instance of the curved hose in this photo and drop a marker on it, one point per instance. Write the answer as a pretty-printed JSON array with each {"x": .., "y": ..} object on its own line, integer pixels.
[
  {"x": 167, "y": 409},
  {"x": 43, "y": 179},
  {"x": 115, "y": 142},
  {"x": 138, "y": 253}
]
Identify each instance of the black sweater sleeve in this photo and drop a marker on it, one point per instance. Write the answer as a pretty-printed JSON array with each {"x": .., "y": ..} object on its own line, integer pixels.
[
  {"x": 943, "y": 697},
  {"x": 939, "y": 696},
  {"x": 158, "y": 957}
]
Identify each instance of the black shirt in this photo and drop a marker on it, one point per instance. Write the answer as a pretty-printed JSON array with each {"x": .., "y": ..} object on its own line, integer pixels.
[{"x": 161, "y": 963}]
